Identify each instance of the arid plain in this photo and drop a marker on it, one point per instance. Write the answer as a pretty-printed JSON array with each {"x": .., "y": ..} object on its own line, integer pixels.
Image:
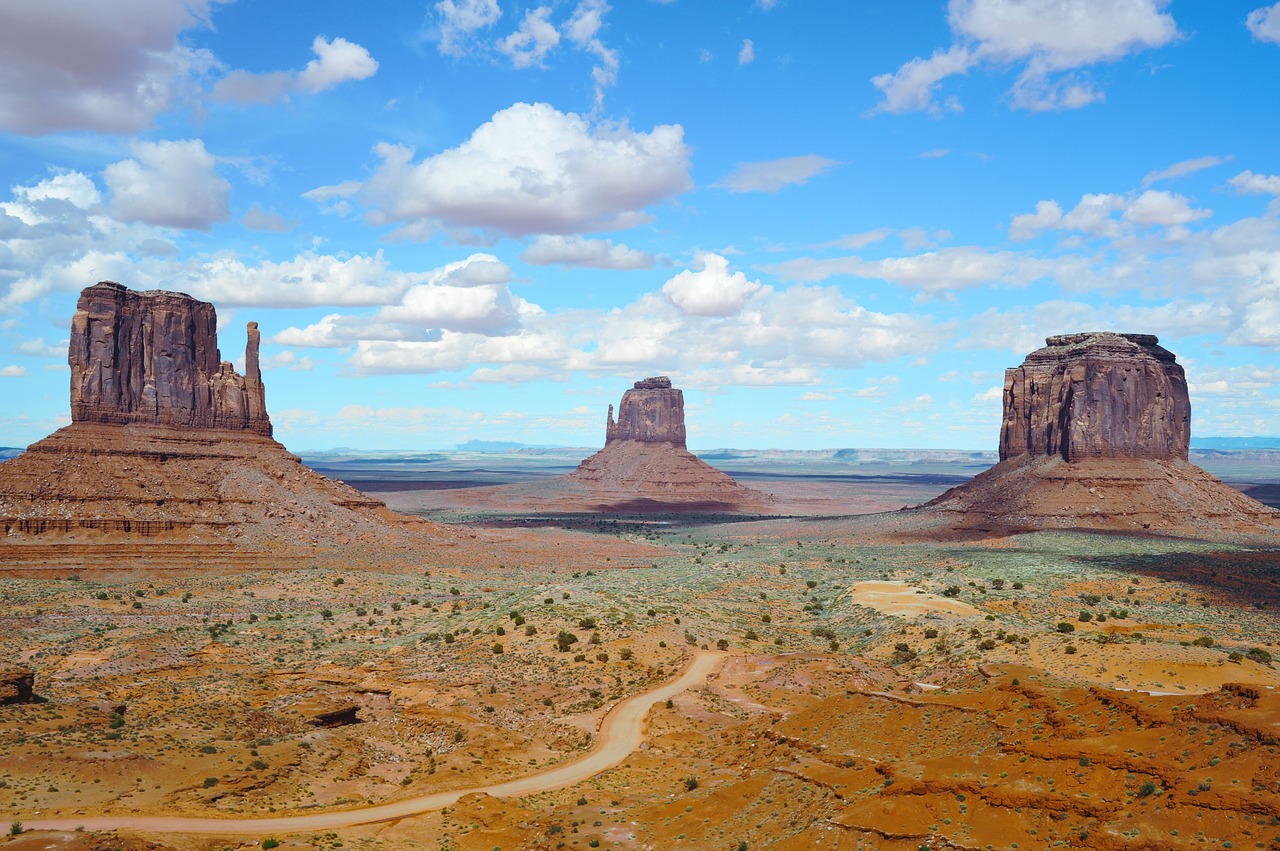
[{"x": 210, "y": 645}]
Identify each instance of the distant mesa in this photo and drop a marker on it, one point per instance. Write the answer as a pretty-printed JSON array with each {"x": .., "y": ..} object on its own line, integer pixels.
[
  {"x": 645, "y": 464},
  {"x": 1095, "y": 436},
  {"x": 169, "y": 455}
]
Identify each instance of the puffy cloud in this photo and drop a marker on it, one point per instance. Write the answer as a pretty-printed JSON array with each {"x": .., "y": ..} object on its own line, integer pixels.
[
  {"x": 912, "y": 87},
  {"x": 172, "y": 184},
  {"x": 583, "y": 30},
  {"x": 530, "y": 44},
  {"x": 1264, "y": 23},
  {"x": 86, "y": 65},
  {"x": 458, "y": 20},
  {"x": 40, "y": 349},
  {"x": 1183, "y": 168},
  {"x": 773, "y": 175},
  {"x": 468, "y": 295},
  {"x": 530, "y": 169},
  {"x": 931, "y": 273},
  {"x": 747, "y": 54},
  {"x": 712, "y": 290},
  {"x": 1163, "y": 208},
  {"x": 13, "y": 371},
  {"x": 1052, "y": 40},
  {"x": 552, "y": 249},
  {"x": 1248, "y": 183},
  {"x": 307, "y": 280},
  {"x": 336, "y": 62},
  {"x": 1095, "y": 214}
]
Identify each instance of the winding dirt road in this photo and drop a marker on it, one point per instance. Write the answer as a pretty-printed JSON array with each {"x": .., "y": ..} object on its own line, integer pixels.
[{"x": 620, "y": 734}]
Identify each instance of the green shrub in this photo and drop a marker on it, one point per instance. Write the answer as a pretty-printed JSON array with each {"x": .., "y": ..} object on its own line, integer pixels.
[
  {"x": 210, "y": 782},
  {"x": 272, "y": 842},
  {"x": 1065, "y": 627}
]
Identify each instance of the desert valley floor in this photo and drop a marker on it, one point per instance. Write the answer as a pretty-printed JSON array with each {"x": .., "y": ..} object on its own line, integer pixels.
[{"x": 865, "y": 689}]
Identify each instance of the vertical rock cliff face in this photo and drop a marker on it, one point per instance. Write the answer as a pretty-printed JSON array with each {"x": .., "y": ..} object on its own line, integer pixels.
[
  {"x": 152, "y": 358},
  {"x": 1097, "y": 396},
  {"x": 651, "y": 412}
]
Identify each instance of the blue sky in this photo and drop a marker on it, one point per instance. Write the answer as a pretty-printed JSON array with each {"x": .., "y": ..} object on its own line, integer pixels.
[{"x": 831, "y": 223}]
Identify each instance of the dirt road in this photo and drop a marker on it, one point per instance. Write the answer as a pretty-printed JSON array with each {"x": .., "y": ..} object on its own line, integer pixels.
[{"x": 620, "y": 734}]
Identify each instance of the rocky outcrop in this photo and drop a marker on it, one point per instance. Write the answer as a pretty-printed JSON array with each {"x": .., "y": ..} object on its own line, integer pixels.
[
  {"x": 645, "y": 465},
  {"x": 169, "y": 459},
  {"x": 16, "y": 686},
  {"x": 1095, "y": 435},
  {"x": 152, "y": 358},
  {"x": 652, "y": 411},
  {"x": 1097, "y": 395}
]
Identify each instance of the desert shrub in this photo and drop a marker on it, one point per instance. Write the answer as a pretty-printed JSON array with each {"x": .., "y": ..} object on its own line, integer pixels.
[
  {"x": 530, "y": 629},
  {"x": 1257, "y": 654},
  {"x": 1065, "y": 627},
  {"x": 1147, "y": 788},
  {"x": 823, "y": 632},
  {"x": 327, "y": 614},
  {"x": 626, "y": 653},
  {"x": 1203, "y": 641},
  {"x": 602, "y": 656},
  {"x": 15, "y": 828},
  {"x": 765, "y": 618},
  {"x": 952, "y": 591},
  {"x": 587, "y": 623},
  {"x": 722, "y": 644},
  {"x": 987, "y": 644},
  {"x": 930, "y": 633},
  {"x": 997, "y": 584},
  {"x": 811, "y": 583},
  {"x": 1085, "y": 617},
  {"x": 1091, "y": 599},
  {"x": 1018, "y": 586},
  {"x": 210, "y": 782},
  {"x": 690, "y": 638},
  {"x": 751, "y": 635},
  {"x": 902, "y": 653},
  {"x": 690, "y": 783},
  {"x": 497, "y": 648},
  {"x": 564, "y": 640},
  {"x": 1070, "y": 649},
  {"x": 579, "y": 657}
]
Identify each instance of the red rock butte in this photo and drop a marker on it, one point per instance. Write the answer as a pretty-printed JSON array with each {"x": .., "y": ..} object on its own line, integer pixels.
[
  {"x": 645, "y": 465},
  {"x": 1095, "y": 436},
  {"x": 169, "y": 457}
]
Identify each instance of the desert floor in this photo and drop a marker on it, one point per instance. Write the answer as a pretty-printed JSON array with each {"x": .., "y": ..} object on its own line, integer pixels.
[{"x": 1043, "y": 690}]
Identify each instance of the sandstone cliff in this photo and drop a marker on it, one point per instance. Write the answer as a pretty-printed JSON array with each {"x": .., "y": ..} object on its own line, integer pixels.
[
  {"x": 651, "y": 412},
  {"x": 1097, "y": 395},
  {"x": 1095, "y": 434},
  {"x": 152, "y": 358},
  {"x": 169, "y": 458}
]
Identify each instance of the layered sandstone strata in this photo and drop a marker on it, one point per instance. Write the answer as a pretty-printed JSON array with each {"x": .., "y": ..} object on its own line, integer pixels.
[
  {"x": 169, "y": 457},
  {"x": 1097, "y": 395},
  {"x": 1095, "y": 437},
  {"x": 645, "y": 464},
  {"x": 152, "y": 358},
  {"x": 652, "y": 411}
]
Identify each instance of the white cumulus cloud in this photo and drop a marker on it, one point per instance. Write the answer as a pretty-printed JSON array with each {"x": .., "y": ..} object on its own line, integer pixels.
[
  {"x": 711, "y": 290},
  {"x": 13, "y": 371},
  {"x": 530, "y": 169},
  {"x": 336, "y": 62},
  {"x": 529, "y": 45},
  {"x": 747, "y": 54},
  {"x": 1051, "y": 41},
  {"x": 87, "y": 65},
  {"x": 554, "y": 249},
  {"x": 458, "y": 20},
  {"x": 1248, "y": 183},
  {"x": 173, "y": 184},
  {"x": 1264, "y": 23}
]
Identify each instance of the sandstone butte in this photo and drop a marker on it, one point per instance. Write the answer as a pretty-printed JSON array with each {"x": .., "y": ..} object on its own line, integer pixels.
[
  {"x": 169, "y": 455},
  {"x": 645, "y": 467},
  {"x": 1095, "y": 435}
]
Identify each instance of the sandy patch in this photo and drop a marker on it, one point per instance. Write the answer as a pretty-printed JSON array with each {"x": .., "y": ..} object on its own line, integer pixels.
[{"x": 895, "y": 598}]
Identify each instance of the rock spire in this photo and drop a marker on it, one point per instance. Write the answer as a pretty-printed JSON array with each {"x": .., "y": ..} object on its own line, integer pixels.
[
  {"x": 1097, "y": 395},
  {"x": 152, "y": 358}
]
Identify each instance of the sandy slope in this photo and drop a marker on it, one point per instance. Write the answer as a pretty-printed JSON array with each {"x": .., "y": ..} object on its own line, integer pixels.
[{"x": 620, "y": 734}]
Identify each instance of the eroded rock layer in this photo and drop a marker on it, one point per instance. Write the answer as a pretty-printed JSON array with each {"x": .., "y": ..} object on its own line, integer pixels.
[
  {"x": 1097, "y": 395},
  {"x": 1095, "y": 437},
  {"x": 152, "y": 357},
  {"x": 644, "y": 464},
  {"x": 652, "y": 411}
]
